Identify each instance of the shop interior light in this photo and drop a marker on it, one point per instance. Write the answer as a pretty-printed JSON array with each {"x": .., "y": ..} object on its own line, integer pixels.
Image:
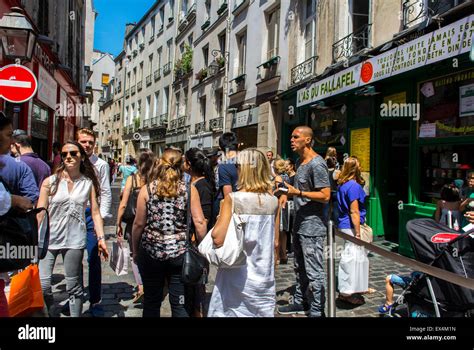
[
  {"x": 319, "y": 105},
  {"x": 368, "y": 90}
]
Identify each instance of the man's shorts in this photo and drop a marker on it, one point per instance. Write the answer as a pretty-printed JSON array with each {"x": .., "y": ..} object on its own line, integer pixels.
[{"x": 403, "y": 280}]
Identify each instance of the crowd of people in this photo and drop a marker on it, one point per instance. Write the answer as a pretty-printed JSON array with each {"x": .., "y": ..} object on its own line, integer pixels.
[{"x": 285, "y": 206}]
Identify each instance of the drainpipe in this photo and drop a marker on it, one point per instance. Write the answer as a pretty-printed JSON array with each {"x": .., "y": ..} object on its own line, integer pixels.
[{"x": 227, "y": 63}]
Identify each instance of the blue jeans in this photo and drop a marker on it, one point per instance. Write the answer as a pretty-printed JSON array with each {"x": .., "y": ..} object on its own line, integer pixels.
[{"x": 93, "y": 258}]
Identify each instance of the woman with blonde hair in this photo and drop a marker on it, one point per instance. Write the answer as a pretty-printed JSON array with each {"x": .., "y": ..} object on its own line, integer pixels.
[
  {"x": 249, "y": 290},
  {"x": 353, "y": 276},
  {"x": 159, "y": 234},
  {"x": 280, "y": 179}
]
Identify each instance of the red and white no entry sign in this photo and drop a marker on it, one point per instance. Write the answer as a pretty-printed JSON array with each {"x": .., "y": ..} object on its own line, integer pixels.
[{"x": 17, "y": 83}]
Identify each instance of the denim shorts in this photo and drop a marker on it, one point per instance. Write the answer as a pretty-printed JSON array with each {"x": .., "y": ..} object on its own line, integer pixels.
[{"x": 404, "y": 280}]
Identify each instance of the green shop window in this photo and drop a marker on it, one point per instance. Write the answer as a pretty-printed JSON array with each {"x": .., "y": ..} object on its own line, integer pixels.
[
  {"x": 445, "y": 132},
  {"x": 329, "y": 125}
]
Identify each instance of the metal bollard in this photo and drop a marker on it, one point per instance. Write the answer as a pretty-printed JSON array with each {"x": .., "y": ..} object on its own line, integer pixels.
[{"x": 331, "y": 263}]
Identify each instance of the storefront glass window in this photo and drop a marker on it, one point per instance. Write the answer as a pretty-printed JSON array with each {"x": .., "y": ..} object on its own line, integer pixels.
[
  {"x": 441, "y": 165},
  {"x": 329, "y": 126},
  {"x": 447, "y": 106}
]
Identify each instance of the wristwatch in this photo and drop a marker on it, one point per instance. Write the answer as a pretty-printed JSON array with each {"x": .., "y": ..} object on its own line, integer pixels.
[{"x": 100, "y": 238}]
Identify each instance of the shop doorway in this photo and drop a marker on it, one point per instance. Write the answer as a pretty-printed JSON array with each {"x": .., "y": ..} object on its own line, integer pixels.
[{"x": 393, "y": 160}]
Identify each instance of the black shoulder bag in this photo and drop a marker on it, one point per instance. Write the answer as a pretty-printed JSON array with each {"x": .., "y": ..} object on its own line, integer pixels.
[
  {"x": 195, "y": 265},
  {"x": 19, "y": 238},
  {"x": 131, "y": 208}
]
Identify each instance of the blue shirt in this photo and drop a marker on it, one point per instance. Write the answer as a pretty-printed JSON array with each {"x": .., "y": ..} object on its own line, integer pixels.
[
  {"x": 18, "y": 177},
  {"x": 349, "y": 192},
  {"x": 126, "y": 171},
  {"x": 227, "y": 173}
]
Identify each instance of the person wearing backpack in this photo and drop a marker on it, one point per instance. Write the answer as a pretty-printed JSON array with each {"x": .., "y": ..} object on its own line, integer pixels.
[{"x": 128, "y": 206}]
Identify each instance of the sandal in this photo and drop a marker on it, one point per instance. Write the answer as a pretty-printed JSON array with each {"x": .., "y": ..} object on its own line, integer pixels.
[
  {"x": 384, "y": 308},
  {"x": 370, "y": 291},
  {"x": 352, "y": 299}
]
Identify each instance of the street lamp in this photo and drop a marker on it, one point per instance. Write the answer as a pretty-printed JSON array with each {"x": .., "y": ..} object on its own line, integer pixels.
[
  {"x": 17, "y": 36},
  {"x": 215, "y": 66}
]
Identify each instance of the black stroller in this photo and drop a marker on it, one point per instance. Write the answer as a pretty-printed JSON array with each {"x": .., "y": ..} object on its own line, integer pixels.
[{"x": 428, "y": 296}]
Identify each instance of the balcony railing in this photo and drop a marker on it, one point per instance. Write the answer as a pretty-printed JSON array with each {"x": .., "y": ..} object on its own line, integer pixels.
[
  {"x": 127, "y": 93},
  {"x": 200, "y": 127},
  {"x": 157, "y": 74},
  {"x": 182, "y": 122},
  {"x": 416, "y": 11},
  {"x": 173, "y": 124},
  {"x": 146, "y": 123},
  {"x": 268, "y": 69},
  {"x": 148, "y": 80},
  {"x": 216, "y": 124},
  {"x": 191, "y": 12},
  {"x": 139, "y": 86},
  {"x": 133, "y": 90},
  {"x": 304, "y": 71},
  {"x": 154, "y": 121},
  {"x": 163, "y": 119},
  {"x": 351, "y": 44},
  {"x": 238, "y": 84},
  {"x": 222, "y": 8},
  {"x": 167, "y": 69}
]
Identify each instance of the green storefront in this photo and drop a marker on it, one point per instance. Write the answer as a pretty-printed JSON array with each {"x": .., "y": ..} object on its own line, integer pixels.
[{"x": 407, "y": 153}]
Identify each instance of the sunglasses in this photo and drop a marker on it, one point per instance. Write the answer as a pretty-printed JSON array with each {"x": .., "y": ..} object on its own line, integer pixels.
[{"x": 72, "y": 153}]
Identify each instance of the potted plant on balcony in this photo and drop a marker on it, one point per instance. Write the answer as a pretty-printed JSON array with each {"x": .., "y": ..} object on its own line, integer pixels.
[
  {"x": 220, "y": 61},
  {"x": 202, "y": 74},
  {"x": 136, "y": 122}
]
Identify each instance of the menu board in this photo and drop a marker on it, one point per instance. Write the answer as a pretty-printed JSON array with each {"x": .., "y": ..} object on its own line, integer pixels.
[{"x": 360, "y": 147}]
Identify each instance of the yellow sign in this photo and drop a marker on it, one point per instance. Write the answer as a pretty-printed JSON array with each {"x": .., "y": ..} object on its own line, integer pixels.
[
  {"x": 105, "y": 79},
  {"x": 360, "y": 147},
  {"x": 399, "y": 98}
]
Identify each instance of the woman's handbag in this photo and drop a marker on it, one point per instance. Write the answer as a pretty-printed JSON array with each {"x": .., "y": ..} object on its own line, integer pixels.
[
  {"x": 231, "y": 254},
  {"x": 195, "y": 265},
  {"x": 366, "y": 233},
  {"x": 25, "y": 295},
  {"x": 19, "y": 231},
  {"x": 131, "y": 208}
]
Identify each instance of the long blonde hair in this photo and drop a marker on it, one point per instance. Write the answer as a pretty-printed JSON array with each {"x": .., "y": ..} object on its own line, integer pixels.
[
  {"x": 167, "y": 172},
  {"x": 351, "y": 171},
  {"x": 254, "y": 175}
]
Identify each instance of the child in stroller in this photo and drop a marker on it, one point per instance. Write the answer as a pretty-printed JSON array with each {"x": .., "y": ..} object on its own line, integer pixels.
[{"x": 439, "y": 246}]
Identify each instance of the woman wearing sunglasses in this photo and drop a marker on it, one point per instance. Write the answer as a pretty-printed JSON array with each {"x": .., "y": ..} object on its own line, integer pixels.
[{"x": 66, "y": 195}]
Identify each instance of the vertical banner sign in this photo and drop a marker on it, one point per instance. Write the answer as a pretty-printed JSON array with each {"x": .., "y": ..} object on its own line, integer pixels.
[{"x": 360, "y": 148}]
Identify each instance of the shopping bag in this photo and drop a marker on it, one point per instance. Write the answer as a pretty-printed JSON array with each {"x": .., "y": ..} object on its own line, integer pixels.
[
  {"x": 353, "y": 276},
  {"x": 25, "y": 295},
  {"x": 119, "y": 258},
  {"x": 366, "y": 233}
]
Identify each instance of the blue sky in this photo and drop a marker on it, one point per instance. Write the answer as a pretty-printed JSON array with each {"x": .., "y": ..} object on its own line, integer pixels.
[{"x": 110, "y": 24}]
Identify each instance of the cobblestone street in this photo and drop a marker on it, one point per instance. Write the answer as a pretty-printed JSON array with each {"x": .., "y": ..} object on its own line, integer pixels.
[{"x": 117, "y": 292}]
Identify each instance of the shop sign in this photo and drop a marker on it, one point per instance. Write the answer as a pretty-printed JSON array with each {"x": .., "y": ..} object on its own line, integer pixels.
[
  {"x": 466, "y": 96},
  {"x": 360, "y": 148},
  {"x": 47, "y": 88},
  {"x": 44, "y": 59},
  {"x": 450, "y": 41},
  {"x": 245, "y": 118},
  {"x": 428, "y": 130}
]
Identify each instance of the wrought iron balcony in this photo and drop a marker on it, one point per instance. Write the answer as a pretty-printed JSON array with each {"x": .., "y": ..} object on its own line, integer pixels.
[
  {"x": 216, "y": 124},
  {"x": 148, "y": 80},
  {"x": 238, "y": 84},
  {"x": 157, "y": 74},
  {"x": 163, "y": 120},
  {"x": 139, "y": 86},
  {"x": 191, "y": 12},
  {"x": 133, "y": 90},
  {"x": 173, "y": 124},
  {"x": 303, "y": 71},
  {"x": 351, "y": 44},
  {"x": 167, "y": 69},
  {"x": 268, "y": 69},
  {"x": 146, "y": 123},
  {"x": 200, "y": 127},
  {"x": 182, "y": 122},
  {"x": 416, "y": 11},
  {"x": 222, "y": 8},
  {"x": 154, "y": 121}
]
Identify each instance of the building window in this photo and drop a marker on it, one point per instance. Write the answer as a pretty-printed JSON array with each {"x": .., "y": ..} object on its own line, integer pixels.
[
  {"x": 208, "y": 9},
  {"x": 205, "y": 55},
  {"x": 169, "y": 45},
  {"x": 273, "y": 25},
  {"x": 360, "y": 14},
  {"x": 150, "y": 65},
  {"x": 219, "y": 102},
  {"x": 222, "y": 42},
  {"x": 185, "y": 102},
  {"x": 166, "y": 99},
  {"x": 171, "y": 8},
  {"x": 147, "y": 107},
  {"x": 310, "y": 30},
  {"x": 155, "y": 103},
  {"x": 160, "y": 51},
  {"x": 178, "y": 105},
  {"x": 203, "y": 108},
  {"x": 190, "y": 40},
  {"x": 43, "y": 17},
  {"x": 143, "y": 35},
  {"x": 141, "y": 71},
  {"x": 162, "y": 17},
  {"x": 242, "y": 47},
  {"x": 152, "y": 27}
]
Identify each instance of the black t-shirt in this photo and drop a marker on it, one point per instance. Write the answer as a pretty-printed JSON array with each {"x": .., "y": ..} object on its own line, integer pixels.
[{"x": 206, "y": 195}]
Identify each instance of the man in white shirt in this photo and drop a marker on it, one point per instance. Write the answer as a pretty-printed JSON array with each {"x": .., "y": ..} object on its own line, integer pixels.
[{"x": 87, "y": 139}]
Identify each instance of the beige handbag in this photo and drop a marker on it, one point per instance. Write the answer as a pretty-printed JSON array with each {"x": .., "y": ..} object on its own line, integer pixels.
[{"x": 366, "y": 233}]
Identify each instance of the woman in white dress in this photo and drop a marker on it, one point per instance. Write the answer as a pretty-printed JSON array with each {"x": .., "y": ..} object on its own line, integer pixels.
[
  {"x": 66, "y": 195},
  {"x": 249, "y": 291}
]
